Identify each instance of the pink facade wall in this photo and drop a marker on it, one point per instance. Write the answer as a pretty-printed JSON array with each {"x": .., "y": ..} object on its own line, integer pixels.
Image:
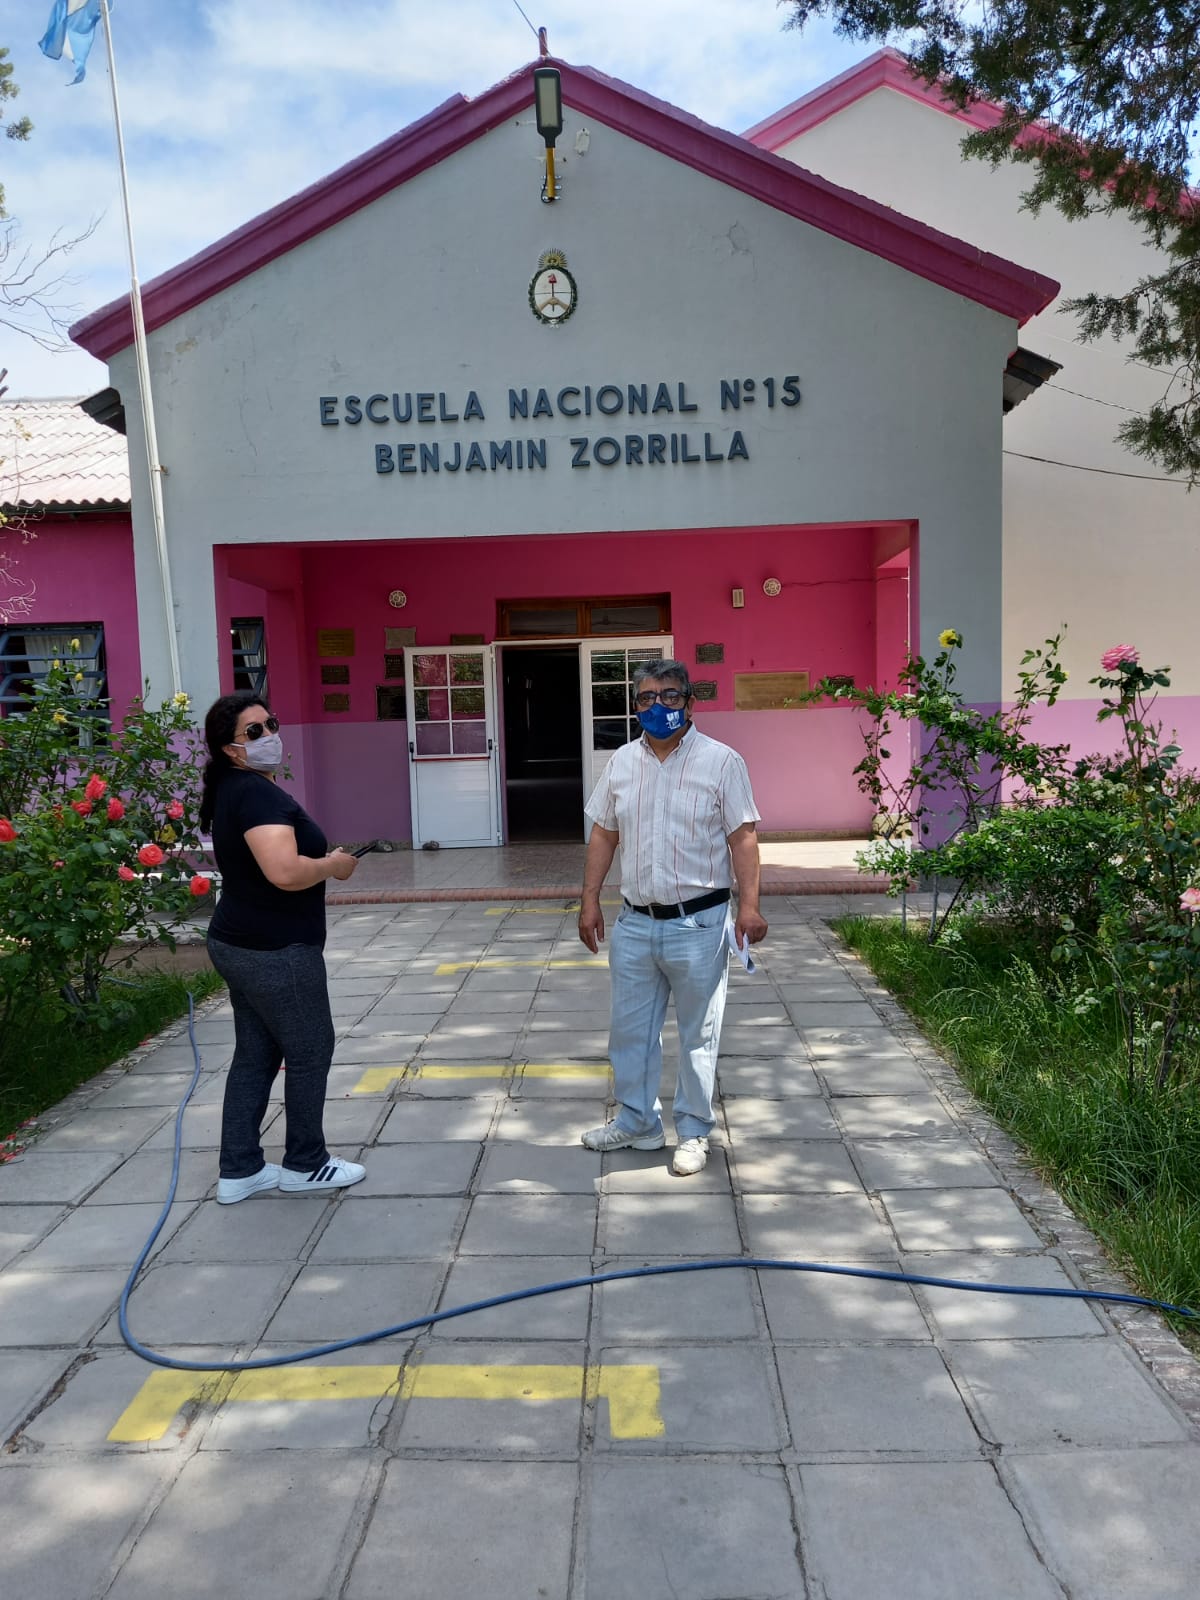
[
  {"x": 833, "y": 616},
  {"x": 82, "y": 571}
]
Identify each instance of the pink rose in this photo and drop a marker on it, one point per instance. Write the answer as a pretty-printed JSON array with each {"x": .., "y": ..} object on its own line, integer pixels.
[
  {"x": 151, "y": 856},
  {"x": 175, "y": 810},
  {"x": 96, "y": 787},
  {"x": 1120, "y": 655},
  {"x": 58, "y": 865},
  {"x": 115, "y": 811},
  {"x": 126, "y": 874},
  {"x": 84, "y": 807},
  {"x": 1189, "y": 900},
  {"x": 199, "y": 885}
]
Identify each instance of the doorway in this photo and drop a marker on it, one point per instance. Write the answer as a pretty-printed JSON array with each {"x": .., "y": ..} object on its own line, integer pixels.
[{"x": 543, "y": 742}]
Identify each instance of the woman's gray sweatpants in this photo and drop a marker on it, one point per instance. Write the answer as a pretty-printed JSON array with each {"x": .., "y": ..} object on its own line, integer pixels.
[{"x": 280, "y": 1004}]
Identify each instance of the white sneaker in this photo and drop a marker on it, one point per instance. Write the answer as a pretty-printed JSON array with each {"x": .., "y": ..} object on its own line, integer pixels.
[
  {"x": 334, "y": 1174},
  {"x": 691, "y": 1156},
  {"x": 231, "y": 1190},
  {"x": 610, "y": 1137}
]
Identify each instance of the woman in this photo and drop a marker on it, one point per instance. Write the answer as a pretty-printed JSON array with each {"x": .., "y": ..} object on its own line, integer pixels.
[{"x": 266, "y": 939}]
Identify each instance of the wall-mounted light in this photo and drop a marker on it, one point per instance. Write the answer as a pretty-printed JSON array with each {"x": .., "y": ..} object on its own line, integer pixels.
[
  {"x": 772, "y": 587},
  {"x": 547, "y": 105},
  {"x": 737, "y": 599}
]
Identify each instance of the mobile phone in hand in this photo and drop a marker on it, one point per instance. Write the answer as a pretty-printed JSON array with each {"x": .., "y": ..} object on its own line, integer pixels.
[{"x": 363, "y": 849}]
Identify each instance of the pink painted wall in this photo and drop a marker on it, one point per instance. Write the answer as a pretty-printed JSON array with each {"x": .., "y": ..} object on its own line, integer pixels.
[
  {"x": 825, "y": 621},
  {"x": 1074, "y": 722},
  {"x": 83, "y": 571}
]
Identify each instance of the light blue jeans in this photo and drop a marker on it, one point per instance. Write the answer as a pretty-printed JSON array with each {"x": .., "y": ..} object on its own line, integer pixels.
[{"x": 649, "y": 963}]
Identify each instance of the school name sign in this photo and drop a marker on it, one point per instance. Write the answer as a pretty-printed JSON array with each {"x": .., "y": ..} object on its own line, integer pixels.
[{"x": 619, "y": 425}]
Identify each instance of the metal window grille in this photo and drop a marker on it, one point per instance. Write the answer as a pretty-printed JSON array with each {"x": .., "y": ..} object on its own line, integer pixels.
[
  {"x": 28, "y": 655},
  {"x": 248, "y": 636}
]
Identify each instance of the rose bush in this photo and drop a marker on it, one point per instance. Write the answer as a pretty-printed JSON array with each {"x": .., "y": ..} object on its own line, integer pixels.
[{"x": 85, "y": 880}]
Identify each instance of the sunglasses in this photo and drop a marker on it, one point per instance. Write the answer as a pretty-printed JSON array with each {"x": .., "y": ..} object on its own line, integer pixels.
[{"x": 255, "y": 730}]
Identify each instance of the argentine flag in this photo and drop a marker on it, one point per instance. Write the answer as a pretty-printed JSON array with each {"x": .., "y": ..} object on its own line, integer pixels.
[{"x": 70, "y": 32}]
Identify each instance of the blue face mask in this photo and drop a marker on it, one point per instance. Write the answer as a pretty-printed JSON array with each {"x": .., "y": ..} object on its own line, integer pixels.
[{"x": 660, "y": 722}]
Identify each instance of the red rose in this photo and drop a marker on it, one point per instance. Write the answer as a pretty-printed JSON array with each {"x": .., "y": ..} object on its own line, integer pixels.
[
  {"x": 7, "y": 832},
  {"x": 115, "y": 811},
  {"x": 126, "y": 874},
  {"x": 84, "y": 807},
  {"x": 175, "y": 810},
  {"x": 151, "y": 856},
  {"x": 199, "y": 885},
  {"x": 96, "y": 787}
]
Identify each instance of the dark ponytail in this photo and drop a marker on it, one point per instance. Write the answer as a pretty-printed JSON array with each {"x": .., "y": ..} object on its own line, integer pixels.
[{"x": 220, "y": 725}]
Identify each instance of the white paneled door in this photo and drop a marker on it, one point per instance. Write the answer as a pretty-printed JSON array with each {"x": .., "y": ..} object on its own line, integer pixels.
[
  {"x": 605, "y": 669},
  {"x": 453, "y": 759}
]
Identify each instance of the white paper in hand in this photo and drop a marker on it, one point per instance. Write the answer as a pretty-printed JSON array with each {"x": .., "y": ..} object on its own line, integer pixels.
[{"x": 741, "y": 951}]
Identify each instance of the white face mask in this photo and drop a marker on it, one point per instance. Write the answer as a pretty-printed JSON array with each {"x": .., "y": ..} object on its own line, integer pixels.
[{"x": 265, "y": 754}]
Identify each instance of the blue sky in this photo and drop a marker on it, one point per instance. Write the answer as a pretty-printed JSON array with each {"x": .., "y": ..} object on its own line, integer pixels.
[{"x": 230, "y": 106}]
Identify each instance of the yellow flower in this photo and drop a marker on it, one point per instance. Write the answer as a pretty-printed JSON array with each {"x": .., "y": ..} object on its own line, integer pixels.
[
  {"x": 74, "y": 644},
  {"x": 56, "y": 662},
  {"x": 166, "y": 834},
  {"x": 181, "y": 699},
  {"x": 79, "y": 677},
  {"x": 59, "y": 716},
  {"x": 948, "y": 638}
]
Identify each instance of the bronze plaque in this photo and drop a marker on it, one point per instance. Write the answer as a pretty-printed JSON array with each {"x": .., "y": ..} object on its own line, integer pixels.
[
  {"x": 389, "y": 703},
  {"x": 769, "y": 691},
  {"x": 393, "y": 666},
  {"x": 335, "y": 674},
  {"x": 399, "y": 638},
  {"x": 704, "y": 690},
  {"x": 335, "y": 641},
  {"x": 466, "y": 638},
  {"x": 710, "y": 654},
  {"x": 336, "y": 702}
]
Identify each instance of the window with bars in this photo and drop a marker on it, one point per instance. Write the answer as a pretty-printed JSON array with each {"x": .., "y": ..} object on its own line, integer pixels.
[
  {"x": 248, "y": 640},
  {"x": 28, "y": 654},
  {"x": 583, "y": 618}
]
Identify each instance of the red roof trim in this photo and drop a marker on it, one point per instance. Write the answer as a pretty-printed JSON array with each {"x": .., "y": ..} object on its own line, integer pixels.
[
  {"x": 886, "y": 69},
  {"x": 975, "y": 274}
]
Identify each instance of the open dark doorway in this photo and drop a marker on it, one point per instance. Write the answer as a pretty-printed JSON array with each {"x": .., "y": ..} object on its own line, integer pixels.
[{"x": 542, "y": 743}]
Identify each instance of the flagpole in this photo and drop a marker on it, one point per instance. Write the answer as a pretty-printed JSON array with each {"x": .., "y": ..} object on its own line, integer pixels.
[{"x": 153, "y": 463}]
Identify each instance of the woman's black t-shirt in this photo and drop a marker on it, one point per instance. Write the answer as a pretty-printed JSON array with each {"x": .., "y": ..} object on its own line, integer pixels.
[{"x": 251, "y": 911}]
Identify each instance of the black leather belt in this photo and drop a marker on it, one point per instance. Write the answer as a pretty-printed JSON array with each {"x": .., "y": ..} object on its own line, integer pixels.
[{"x": 717, "y": 897}]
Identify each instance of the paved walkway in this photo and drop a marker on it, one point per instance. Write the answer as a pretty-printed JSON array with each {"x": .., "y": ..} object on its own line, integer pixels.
[{"x": 722, "y": 1436}]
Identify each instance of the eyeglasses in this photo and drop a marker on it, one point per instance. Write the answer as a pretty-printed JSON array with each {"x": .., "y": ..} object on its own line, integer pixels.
[
  {"x": 671, "y": 698},
  {"x": 255, "y": 730}
]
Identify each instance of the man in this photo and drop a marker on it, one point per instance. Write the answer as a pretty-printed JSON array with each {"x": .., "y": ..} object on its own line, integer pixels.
[{"x": 680, "y": 806}]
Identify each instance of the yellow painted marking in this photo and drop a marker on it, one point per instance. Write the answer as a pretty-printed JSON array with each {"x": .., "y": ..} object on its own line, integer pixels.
[
  {"x": 601, "y": 1070},
  {"x": 447, "y": 967},
  {"x": 503, "y": 1070},
  {"x": 530, "y": 911},
  {"x": 376, "y": 1079},
  {"x": 632, "y": 1392}
]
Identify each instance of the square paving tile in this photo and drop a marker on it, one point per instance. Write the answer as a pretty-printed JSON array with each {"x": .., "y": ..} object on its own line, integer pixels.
[
  {"x": 854, "y": 1043},
  {"x": 712, "y": 1398},
  {"x": 103, "y": 1236},
  {"x": 368, "y": 1229},
  {"x": 415, "y": 1169},
  {"x": 1048, "y": 1394},
  {"x": 705, "y": 1529},
  {"x": 550, "y": 1121},
  {"x": 863, "y": 1075},
  {"x": 202, "y": 1128},
  {"x": 45, "y": 1308},
  {"x": 716, "y": 1305},
  {"x": 520, "y": 1516},
  {"x": 812, "y": 1012},
  {"x": 888, "y": 1116},
  {"x": 861, "y": 1398},
  {"x": 685, "y": 1224},
  {"x": 203, "y": 1303},
  {"x": 950, "y": 1162},
  {"x": 147, "y": 1177},
  {"x": 649, "y": 1172},
  {"x": 530, "y": 1225},
  {"x": 415, "y": 1121},
  {"x": 958, "y": 1219},
  {"x": 962, "y": 1314},
  {"x": 331, "y": 1300},
  {"x": 283, "y": 1542},
  {"x": 38, "y": 1178},
  {"x": 25, "y": 1376},
  {"x": 552, "y": 1316},
  {"x": 270, "y": 1227},
  {"x": 832, "y": 1308},
  {"x": 539, "y": 1169},
  {"x": 815, "y": 1227},
  {"x": 924, "y": 1531},
  {"x": 747, "y": 1117},
  {"x": 463, "y": 1416},
  {"x": 22, "y": 1226},
  {"x": 797, "y": 1166},
  {"x": 765, "y": 1078}
]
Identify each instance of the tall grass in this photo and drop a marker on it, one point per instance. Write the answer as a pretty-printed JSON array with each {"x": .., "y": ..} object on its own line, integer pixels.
[
  {"x": 1043, "y": 1050},
  {"x": 45, "y": 1053}
]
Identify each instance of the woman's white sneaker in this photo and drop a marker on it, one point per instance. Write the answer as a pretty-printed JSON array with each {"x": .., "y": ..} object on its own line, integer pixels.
[
  {"x": 332, "y": 1174},
  {"x": 231, "y": 1190},
  {"x": 691, "y": 1156}
]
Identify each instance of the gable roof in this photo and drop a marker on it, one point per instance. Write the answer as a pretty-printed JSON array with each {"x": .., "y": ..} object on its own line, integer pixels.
[
  {"x": 962, "y": 268},
  {"x": 53, "y": 455},
  {"x": 886, "y": 69}
]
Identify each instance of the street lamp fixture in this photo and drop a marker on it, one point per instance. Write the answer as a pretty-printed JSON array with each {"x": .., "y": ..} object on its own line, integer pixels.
[{"x": 547, "y": 103}]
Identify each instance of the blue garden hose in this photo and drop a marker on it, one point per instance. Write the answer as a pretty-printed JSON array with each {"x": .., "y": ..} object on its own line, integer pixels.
[{"x": 743, "y": 1262}]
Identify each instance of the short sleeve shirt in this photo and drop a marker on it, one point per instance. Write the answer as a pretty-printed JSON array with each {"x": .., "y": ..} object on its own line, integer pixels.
[
  {"x": 251, "y": 911},
  {"x": 674, "y": 817}
]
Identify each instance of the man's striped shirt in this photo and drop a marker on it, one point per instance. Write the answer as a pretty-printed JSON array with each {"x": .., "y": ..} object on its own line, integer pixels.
[{"x": 674, "y": 817}]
